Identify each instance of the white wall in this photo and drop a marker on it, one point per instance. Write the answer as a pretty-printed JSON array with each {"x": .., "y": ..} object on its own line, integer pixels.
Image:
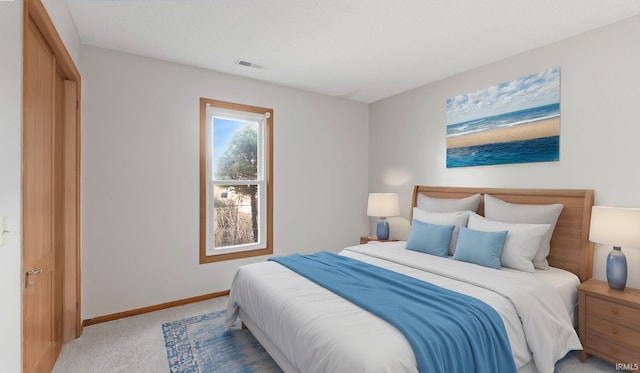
[
  {"x": 10, "y": 157},
  {"x": 140, "y": 177},
  {"x": 600, "y": 128}
]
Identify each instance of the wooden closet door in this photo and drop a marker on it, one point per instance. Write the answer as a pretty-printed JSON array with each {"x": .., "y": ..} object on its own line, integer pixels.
[
  {"x": 39, "y": 219},
  {"x": 50, "y": 192}
]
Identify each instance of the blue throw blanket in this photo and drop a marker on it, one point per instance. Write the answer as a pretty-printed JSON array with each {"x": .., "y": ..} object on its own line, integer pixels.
[{"x": 448, "y": 331}]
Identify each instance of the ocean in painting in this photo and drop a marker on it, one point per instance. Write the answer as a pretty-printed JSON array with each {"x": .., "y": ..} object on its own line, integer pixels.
[
  {"x": 505, "y": 120},
  {"x": 544, "y": 149}
]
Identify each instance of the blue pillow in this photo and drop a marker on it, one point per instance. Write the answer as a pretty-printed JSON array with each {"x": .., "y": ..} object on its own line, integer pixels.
[
  {"x": 430, "y": 238},
  {"x": 480, "y": 247}
]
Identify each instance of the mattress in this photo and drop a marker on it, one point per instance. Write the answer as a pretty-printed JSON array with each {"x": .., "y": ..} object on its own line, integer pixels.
[{"x": 317, "y": 331}]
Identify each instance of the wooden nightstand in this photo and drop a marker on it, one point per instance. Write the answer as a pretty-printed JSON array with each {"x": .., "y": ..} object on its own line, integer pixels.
[
  {"x": 367, "y": 239},
  {"x": 609, "y": 323}
]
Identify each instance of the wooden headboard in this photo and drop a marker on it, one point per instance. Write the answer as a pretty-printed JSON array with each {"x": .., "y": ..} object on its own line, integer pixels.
[{"x": 571, "y": 249}]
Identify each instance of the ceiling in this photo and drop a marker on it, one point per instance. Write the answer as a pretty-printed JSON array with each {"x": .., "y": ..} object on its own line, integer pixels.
[{"x": 363, "y": 50}]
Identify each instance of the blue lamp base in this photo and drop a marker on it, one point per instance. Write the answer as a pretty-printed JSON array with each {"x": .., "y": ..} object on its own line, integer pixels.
[
  {"x": 616, "y": 269},
  {"x": 382, "y": 229}
]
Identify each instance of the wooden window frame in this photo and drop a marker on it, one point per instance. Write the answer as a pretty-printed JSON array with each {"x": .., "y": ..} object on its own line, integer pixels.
[{"x": 268, "y": 174}]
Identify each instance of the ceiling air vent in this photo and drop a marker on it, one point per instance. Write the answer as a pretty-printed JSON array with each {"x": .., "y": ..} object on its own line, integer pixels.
[{"x": 249, "y": 64}]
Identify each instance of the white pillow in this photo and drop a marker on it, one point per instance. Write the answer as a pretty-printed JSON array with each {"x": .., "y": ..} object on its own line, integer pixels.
[
  {"x": 458, "y": 218},
  {"x": 470, "y": 203},
  {"x": 497, "y": 209},
  {"x": 521, "y": 244}
]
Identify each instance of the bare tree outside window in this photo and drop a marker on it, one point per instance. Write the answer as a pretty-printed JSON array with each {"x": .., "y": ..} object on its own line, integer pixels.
[{"x": 232, "y": 225}]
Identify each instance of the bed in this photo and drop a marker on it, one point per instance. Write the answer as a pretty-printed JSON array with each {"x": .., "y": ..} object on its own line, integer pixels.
[{"x": 307, "y": 328}]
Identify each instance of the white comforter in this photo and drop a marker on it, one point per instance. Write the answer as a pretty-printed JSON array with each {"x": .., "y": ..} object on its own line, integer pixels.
[{"x": 319, "y": 331}]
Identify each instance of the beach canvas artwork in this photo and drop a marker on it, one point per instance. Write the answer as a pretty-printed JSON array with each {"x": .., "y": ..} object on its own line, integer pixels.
[{"x": 512, "y": 122}]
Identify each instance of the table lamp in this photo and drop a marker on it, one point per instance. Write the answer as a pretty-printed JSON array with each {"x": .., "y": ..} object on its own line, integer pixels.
[
  {"x": 618, "y": 227},
  {"x": 383, "y": 205}
]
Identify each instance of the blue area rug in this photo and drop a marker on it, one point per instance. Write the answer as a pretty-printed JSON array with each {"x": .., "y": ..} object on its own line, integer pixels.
[{"x": 200, "y": 344}]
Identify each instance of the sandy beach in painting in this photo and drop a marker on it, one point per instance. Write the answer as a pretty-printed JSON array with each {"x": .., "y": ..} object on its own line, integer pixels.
[{"x": 533, "y": 130}]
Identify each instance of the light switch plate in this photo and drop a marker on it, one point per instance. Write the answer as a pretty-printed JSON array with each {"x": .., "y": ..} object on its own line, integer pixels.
[{"x": 4, "y": 233}]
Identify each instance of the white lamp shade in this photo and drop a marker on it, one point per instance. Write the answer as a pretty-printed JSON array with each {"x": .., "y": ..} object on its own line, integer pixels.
[
  {"x": 383, "y": 204},
  {"x": 615, "y": 226}
]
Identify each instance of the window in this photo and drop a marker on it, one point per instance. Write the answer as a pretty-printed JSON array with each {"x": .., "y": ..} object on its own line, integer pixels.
[{"x": 236, "y": 150}]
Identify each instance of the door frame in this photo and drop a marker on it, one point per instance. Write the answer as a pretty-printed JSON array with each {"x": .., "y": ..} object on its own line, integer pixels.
[{"x": 70, "y": 326}]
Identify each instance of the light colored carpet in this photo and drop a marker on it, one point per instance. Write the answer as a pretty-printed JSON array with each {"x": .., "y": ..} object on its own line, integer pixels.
[
  {"x": 131, "y": 345},
  {"x": 136, "y": 344},
  {"x": 571, "y": 364}
]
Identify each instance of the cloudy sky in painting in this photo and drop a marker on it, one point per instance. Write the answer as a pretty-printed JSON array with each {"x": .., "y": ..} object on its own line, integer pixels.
[{"x": 529, "y": 91}]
